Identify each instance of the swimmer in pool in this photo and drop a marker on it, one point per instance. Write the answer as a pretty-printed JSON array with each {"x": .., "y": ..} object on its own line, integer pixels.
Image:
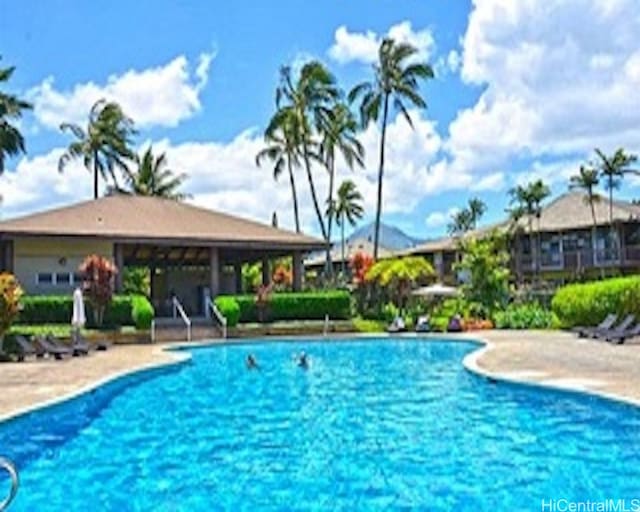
[
  {"x": 303, "y": 360},
  {"x": 252, "y": 363}
]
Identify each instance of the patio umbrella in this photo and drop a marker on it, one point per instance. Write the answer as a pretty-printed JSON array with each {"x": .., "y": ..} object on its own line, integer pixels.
[
  {"x": 436, "y": 290},
  {"x": 78, "y": 318}
]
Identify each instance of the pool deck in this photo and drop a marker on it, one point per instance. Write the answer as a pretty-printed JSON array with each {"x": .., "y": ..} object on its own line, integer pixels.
[{"x": 549, "y": 358}]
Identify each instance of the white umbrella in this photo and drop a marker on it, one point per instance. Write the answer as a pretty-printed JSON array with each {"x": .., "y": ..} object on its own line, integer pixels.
[
  {"x": 78, "y": 319},
  {"x": 436, "y": 290}
]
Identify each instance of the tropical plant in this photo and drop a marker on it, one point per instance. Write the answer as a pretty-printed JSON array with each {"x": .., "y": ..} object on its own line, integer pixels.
[
  {"x": 612, "y": 169},
  {"x": 282, "y": 151},
  {"x": 251, "y": 276},
  {"x": 347, "y": 207},
  {"x": 136, "y": 281},
  {"x": 360, "y": 264},
  {"x": 338, "y": 132},
  {"x": 485, "y": 262},
  {"x": 98, "y": 275},
  {"x": 396, "y": 80},
  {"x": 11, "y": 108},
  {"x": 586, "y": 181},
  {"x": 152, "y": 178},
  {"x": 467, "y": 219},
  {"x": 305, "y": 103},
  {"x": 399, "y": 275},
  {"x": 10, "y": 295},
  {"x": 104, "y": 145},
  {"x": 526, "y": 200}
]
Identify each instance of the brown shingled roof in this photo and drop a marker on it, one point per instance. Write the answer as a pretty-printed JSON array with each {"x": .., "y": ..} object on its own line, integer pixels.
[{"x": 153, "y": 219}]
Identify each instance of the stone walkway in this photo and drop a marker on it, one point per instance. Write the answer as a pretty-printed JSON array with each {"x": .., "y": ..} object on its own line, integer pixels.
[{"x": 545, "y": 357}]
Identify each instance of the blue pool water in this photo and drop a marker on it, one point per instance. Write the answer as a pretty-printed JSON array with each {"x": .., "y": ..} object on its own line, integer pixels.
[{"x": 371, "y": 426}]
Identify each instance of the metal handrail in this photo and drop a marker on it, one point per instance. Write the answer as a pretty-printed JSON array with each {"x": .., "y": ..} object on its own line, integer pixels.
[
  {"x": 177, "y": 308},
  {"x": 10, "y": 468},
  {"x": 218, "y": 314}
]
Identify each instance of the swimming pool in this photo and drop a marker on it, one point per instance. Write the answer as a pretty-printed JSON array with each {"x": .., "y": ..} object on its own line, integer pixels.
[{"x": 372, "y": 425}]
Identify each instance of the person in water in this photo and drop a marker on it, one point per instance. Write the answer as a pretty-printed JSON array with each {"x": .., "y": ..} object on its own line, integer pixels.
[
  {"x": 303, "y": 360},
  {"x": 252, "y": 363}
]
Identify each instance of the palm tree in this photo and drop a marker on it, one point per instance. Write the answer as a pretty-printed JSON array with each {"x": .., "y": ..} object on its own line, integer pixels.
[
  {"x": 307, "y": 102},
  {"x": 477, "y": 208},
  {"x": 613, "y": 168},
  {"x": 587, "y": 180},
  {"x": 104, "y": 145},
  {"x": 397, "y": 81},
  {"x": 152, "y": 178},
  {"x": 282, "y": 150},
  {"x": 338, "y": 133},
  {"x": 11, "y": 107},
  {"x": 347, "y": 207}
]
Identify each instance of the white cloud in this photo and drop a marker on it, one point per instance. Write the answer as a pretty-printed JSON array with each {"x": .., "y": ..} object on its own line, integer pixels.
[
  {"x": 560, "y": 78},
  {"x": 363, "y": 46},
  {"x": 160, "y": 96},
  {"x": 440, "y": 218}
]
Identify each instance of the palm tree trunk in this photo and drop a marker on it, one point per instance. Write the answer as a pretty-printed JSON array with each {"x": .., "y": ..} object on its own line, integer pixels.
[
  {"x": 532, "y": 249},
  {"x": 342, "y": 255},
  {"x": 294, "y": 196},
  {"x": 95, "y": 176},
  {"x": 376, "y": 232},
  {"x": 329, "y": 263},
  {"x": 314, "y": 196}
]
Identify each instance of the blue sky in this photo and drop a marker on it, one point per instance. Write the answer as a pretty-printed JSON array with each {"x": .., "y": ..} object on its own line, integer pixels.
[{"x": 520, "y": 94}]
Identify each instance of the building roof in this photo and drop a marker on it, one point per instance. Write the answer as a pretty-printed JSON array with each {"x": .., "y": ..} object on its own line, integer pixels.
[
  {"x": 567, "y": 212},
  {"x": 127, "y": 217},
  {"x": 351, "y": 247}
]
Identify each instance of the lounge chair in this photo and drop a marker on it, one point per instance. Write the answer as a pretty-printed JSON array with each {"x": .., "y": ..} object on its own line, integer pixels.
[
  {"x": 605, "y": 325},
  {"x": 26, "y": 348},
  {"x": 397, "y": 325},
  {"x": 57, "y": 351},
  {"x": 621, "y": 336},
  {"x": 623, "y": 326},
  {"x": 77, "y": 348},
  {"x": 79, "y": 341},
  {"x": 422, "y": 325}
]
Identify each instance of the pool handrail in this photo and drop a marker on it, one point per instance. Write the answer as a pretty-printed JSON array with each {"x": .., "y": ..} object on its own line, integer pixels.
[{"x": 10, "y": 468}]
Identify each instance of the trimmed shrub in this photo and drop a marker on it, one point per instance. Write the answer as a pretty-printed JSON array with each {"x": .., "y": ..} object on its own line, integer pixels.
[
  {"x": 142, "y": 312},
  {"x": 524, "y": 316},
  {"x": 229, "y": 308},
  {"x": 589, "y": 303},
  {"x": 57, "y": 309},
  {"x": 296, "y": 306}
]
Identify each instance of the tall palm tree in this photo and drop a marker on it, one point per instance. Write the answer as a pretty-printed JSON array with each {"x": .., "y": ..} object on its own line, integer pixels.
[
  {"x": 460, "y": 223},
  {"x": 338, "y": 134},
  {"x": 613, "y": 168},
  {"x": 282, "y": 151},
  {"x": 396, "y": 81},
  {"x": 347, "y": 207},
  {"x": 586, "y": 181},
  {"x": 152, "y": 178},
  {"x": 307, "y": 102},
  {"x": 477, "y": 208},
  {"x": 11, "y": 108},
  {"x": 104, "y": 145}
]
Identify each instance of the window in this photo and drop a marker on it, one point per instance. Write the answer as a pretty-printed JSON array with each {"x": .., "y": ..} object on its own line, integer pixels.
[
  {"x": 44, "y": 278},
  {"x": 63, "y": 278},
  {"x": 77, "y": 278}
]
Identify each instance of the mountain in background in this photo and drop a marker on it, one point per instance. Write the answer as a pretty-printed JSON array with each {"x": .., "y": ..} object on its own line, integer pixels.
[{"x": 391, "y": 237}]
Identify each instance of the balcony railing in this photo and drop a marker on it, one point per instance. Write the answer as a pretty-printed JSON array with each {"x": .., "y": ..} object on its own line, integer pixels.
[{"x": 583, "y": 259}]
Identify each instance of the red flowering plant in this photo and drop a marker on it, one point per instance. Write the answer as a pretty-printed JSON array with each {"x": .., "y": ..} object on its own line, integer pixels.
[
  {"x": 360, "y": 264},
  {"x": 98, "y": 283},
  {"x": 282, "y": 278}
]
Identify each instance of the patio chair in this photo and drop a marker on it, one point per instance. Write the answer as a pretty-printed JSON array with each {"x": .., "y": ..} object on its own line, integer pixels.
[
  {"x": 77, "y": 348},
  {"x": 80, "y": 341},
  {"x": 26, "y": 348},
  {"x": 57, "y": 351},
  {"x": 606, "y": 324},
  {"x": 397, "y": 325},
  {"x": 623, "y": 326},
  {"x": 422, "y": 325},
  {"x": 620, "y": 337}
]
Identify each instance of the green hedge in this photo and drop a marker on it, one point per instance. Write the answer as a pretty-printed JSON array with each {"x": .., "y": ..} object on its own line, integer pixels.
[
  {"x": 589, "y": 303},
  {"x": 57, "y": 309},
  {"x": 295, "y": 306},
  {"x": 229, "y": 308}
]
